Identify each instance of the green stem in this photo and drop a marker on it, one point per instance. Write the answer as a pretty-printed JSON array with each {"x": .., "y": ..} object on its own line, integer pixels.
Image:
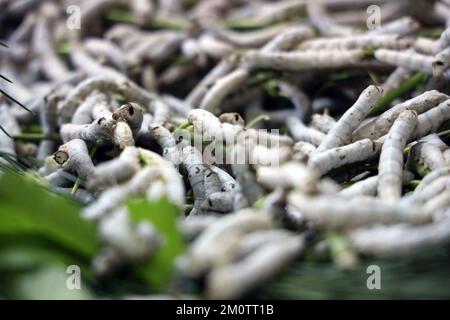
[
  {"x": 399, "y": 91},
  {"x": 36, "y": 136},
  {"x": 125, "y": 16}
]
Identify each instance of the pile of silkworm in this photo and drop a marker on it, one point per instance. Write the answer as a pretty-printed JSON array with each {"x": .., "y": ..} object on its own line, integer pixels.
[{"x": 127, "y": 96}]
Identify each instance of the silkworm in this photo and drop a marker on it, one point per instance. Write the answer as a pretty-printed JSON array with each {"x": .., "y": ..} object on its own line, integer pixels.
[
  {"x": 402, "y": 239},
  {"x": 74, "y": 156},
  {"x": 302, "y": 60},
  {"x": 128, "y": 89},
  {"x": 214, "y": 47},
  {"x": 397, "y": 77},
  {"x": 100, "y": 129},
  {"x": 323, "y": 162},
  {"x": 105, "y": 50},
  {"x": 47, "y": 117},
  {"x": 441, "y": 63},
  {"x": 193, "y": 162},
  {"x": 303, "y": 151},
  {"x": 166, "y": 141},
  {"x": 432, "y": 176},
  {"x": 322, "y": 21},
  {"x": 379, "y": 126},
  {"x": 432, "y": 119},
  {"x": 302, "y": 133},
  {"x": 322, "y": 122},
  {"x": 42, "y": 43},
  {"x": 342, "y": 132},
  {"x": 83, "y": 114},
  {"x": 130, "y": 113},
  {"x": 115, "y": 171},
  {"x": 427, "y": 191},
  {"x": 390, "y": 167},
  {"x": 443, "y": 42},
  {"x": 10, "y": 125},
  {"x": 425, "y": 45},
  {"x": 403, "y": 26},
  {"x": 407, "y": 59},
  {"x": 113, "y": 197},
  {"x": 214, "y": 244},
  {"x": 231, "y": 281},
  {"x": 429, "y": 152},
  {"x": 357, "y": 41},
  {"x": 288, "y": 175},
  {"x": 247, "y": 39},
  {"x": 340, "y": 212},
  {"x": 169, "y": 183},
  {"x": 133, "y": 242},
  {"x": 288, "y": 39},
  {"x": 223, "y": 86}
]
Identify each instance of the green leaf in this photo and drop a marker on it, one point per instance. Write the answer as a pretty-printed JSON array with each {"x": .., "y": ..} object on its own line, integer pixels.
[
  {"x": 28, "y": 209},
  {"x": 163, "y": 216}
]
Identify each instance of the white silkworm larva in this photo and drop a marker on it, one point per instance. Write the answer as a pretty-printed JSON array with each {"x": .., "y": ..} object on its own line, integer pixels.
[
  {"x": 214, "y": 47},
  {"x": 249, "y": 39},
  {"x": 166, "y": 141},
  {"x": 288, "y": 39},
  {"x": 322, "y": 122},
  {"x": 407, "y": 59},
  {"x": 323, "y": 162},
  {"x": 134, "y": 242},
  {"x": 10, "y": 125},
  {"x": 132, "y": 114},
  {"x": 302, "y": 133},
  {"x": 74, "y": 156},
  {"x": 169, "y": 184},
  {"x": 303, "y": 60},
  {"x": 223, "y": 86},
  {"x": 366, "y": 187},
  {"x": 210, "y": 247},
  {"x": 317, "y": 13},
  {"x": 232, "y": 280},
  {"x": 432, "y": 176},
  {"x": 358, "y": 41},
  {"x": 127, "y": 88},
  {"x": 343, "y": 213},
  {"x": 113, "y": 197},
  {"x": 195, "y": 225},
  {"x": 303, "y": 151},
  {"x": 429, "y": 152},
  {"x": 193, "y": 162},
  {"x": 379, "y": 126},
  {"x": 115, "y": 171},
  {"x": 390, "y": 168},
  {"x": 83, "y": 114},
  {"x": 396, "y": 78},
  {"x": 47, "y": 117},
  {"x": 443, "y": 42},
  {"x": 432, "y": 119},
  {"x": 100, "y": 129},
  {"x": 397, "y": 240},
  {"x": 341, "y": 133},
  {"x": 426, "y": 192},
  {"x": 221, "y": 69},
  {"x": 288, "y": 175},
  {"x": 425, "y": 45}
]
